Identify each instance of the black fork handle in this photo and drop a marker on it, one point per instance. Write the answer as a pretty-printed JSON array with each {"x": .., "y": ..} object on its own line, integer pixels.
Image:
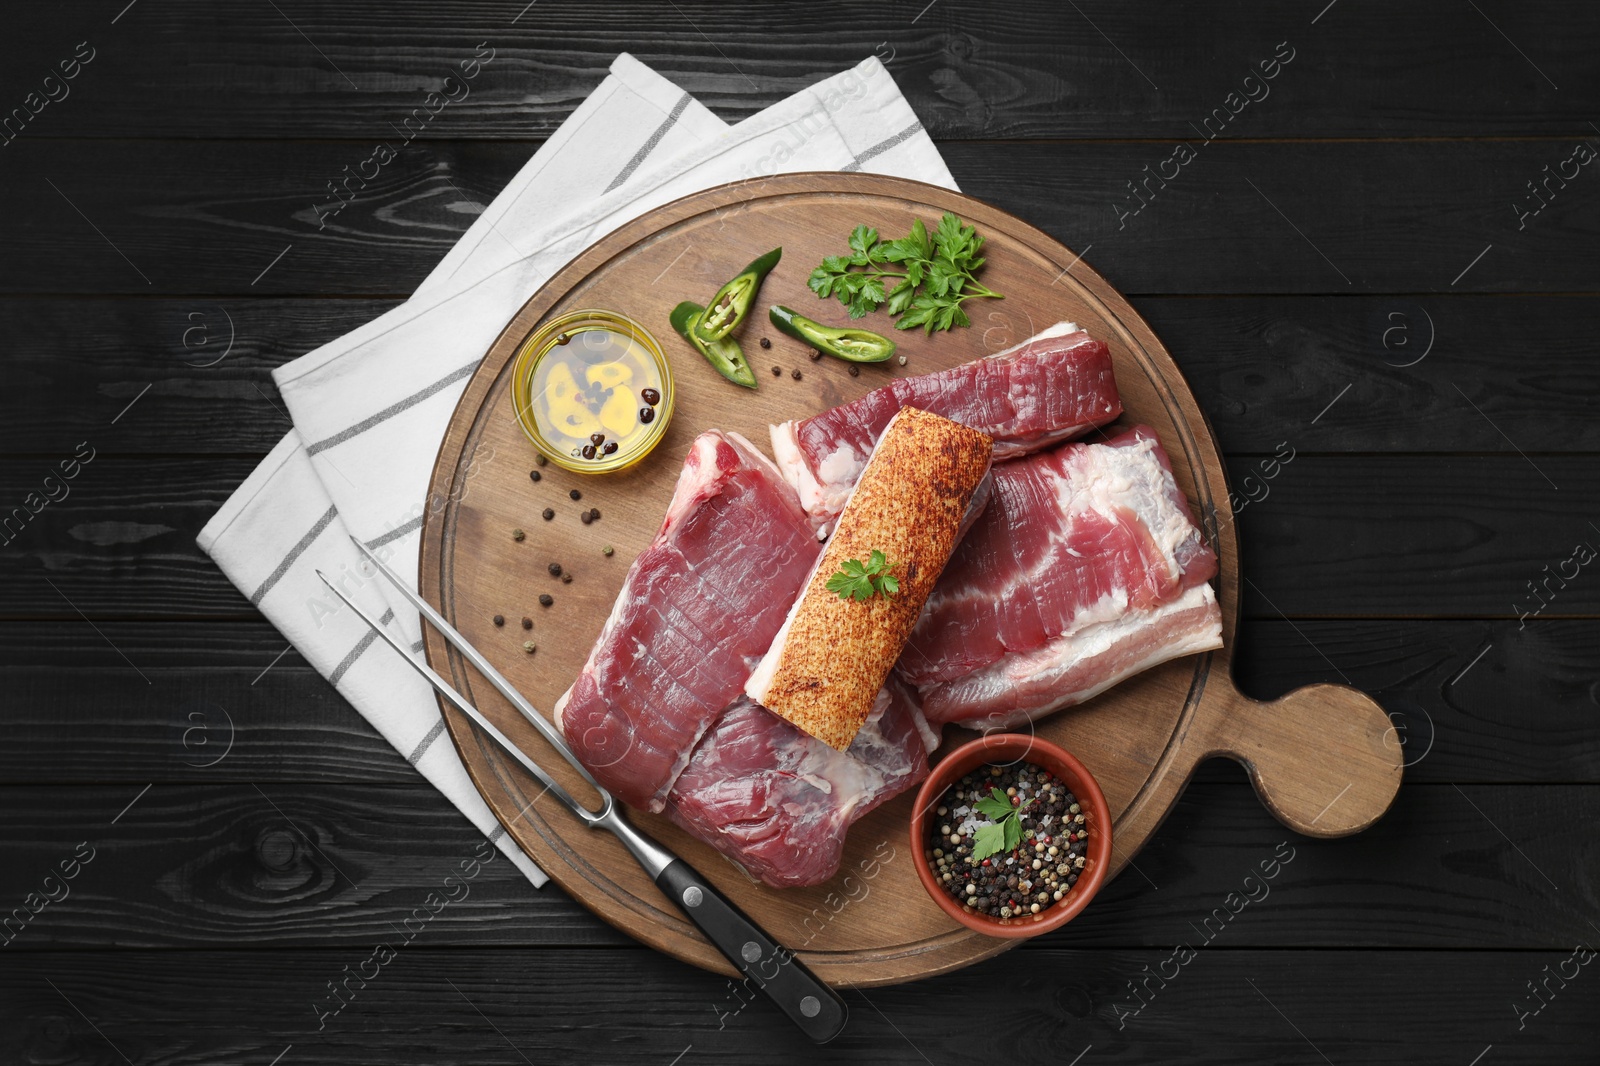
[{"x": 817, "y": 1009}]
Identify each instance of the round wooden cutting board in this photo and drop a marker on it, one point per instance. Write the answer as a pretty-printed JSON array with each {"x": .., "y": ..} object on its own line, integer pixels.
[{"x": 1324, "y": 759}]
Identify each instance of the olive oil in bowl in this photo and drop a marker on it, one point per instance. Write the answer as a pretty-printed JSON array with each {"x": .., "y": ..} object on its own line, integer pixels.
[{"x": 593, "y": 391}]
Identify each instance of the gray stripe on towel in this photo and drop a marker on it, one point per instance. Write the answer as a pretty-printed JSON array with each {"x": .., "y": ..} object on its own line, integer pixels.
[
  {"x": 361, "y": 645},
  {"x": 294, "y": 553},
  {"x": 426, "y": 742},
  {"x": 396, "y": 533},
  {"x": 884, "y": 145},
  {"x": 649, "y": 146},
  {"x": 392, "y": 410}
]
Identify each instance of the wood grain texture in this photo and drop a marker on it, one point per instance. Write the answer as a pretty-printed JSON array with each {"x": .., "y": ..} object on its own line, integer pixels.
[
  {"x": 1222, "y": 1008},
  {"x": 1457, "y": 692},
  {"x": 1028, "y": 69},
  {"x": 1455, "y": 535},
  {"x": 120, "y": 541},
  {"x": 1261, "y": 367},
  {"x": 193, "y": 373},
  {"x": 1474, "y": 561},
  {"x": 1373, "y": 216},
  {"x": 224, "y": 865},
  {"x": 1265, "y": 370}
]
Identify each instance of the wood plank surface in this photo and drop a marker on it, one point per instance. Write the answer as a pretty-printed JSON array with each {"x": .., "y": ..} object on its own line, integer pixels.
[
  {"x": 1262, "y": 367},
  {"x": 1406, "y": 216},
  {"x": 1033, "y": 68},
  {"x": 1459, "y": 535},
  {"x": 1222, "y": 1006},
  {"x": 1455, "y": 691},
  {"x": 297, "y": 865}
]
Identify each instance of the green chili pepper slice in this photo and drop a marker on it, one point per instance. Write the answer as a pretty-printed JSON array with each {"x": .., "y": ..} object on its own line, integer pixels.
[
  {"x": 846, "y": 342},
  {"x": 725, "y": 356},
  {"x": 732, "y": 302}
]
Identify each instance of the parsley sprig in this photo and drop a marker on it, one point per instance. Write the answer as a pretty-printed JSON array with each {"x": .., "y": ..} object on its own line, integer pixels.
[
  {"x": 861, "y": 581},
  {"x": 1006, "y": 832},
  {"x": 943, "y": 265}
]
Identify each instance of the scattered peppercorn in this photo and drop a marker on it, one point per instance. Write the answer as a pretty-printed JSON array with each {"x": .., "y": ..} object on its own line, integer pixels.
[
  {"x": 575, "y": 494},
  {"x": 566, "y": 579},
  {"x": 650, "y": 396},
  {"x": 608, "y": 448},
  {"x": 902, "y": 360},
  {"x": 588, "y": 451},
  {"x": 777, "y": 371},
  {"x": 546, "y": 599},
  {"x": 586, "y": 518},
  {"x": 796, "y": 374},
  {"x": 607, "y": 550},
  {"x": 549, "y": 513},
  {"x": 647, "y": 415},
  {"x": 815, "y": 355},
  {"x": 527, "y": 623},
  {"x": 855, "y": 371},
  {"x": 529, "y": 646},
  {"x": 499, "y": 619},
  {"x": 555, "y": 569},
  {"x": 541, "y": 460},
  {"x": 765, "y": 343},
  {"x": 597, "y": 439},
  {"x": 517, "y": 534},
  {"x": 535, "y": 475},
  {"x": 562, "y": 338},
  {"x": 594, "y": 513}
]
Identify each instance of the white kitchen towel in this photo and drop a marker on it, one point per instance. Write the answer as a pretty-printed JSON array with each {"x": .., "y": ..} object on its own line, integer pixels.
[{"x": 371, "y": 407}]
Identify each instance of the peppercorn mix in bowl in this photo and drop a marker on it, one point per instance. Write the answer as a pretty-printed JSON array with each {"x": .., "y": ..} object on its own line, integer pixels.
[{"x": 1013, "y": 834}]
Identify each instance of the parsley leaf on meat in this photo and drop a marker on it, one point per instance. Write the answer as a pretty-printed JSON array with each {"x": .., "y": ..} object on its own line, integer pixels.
[{"x": 861, "y": 581}]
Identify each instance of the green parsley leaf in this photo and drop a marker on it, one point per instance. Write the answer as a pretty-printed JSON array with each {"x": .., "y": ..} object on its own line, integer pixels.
[
  {"x": 1006, "y": 832},
  {"x": 860, "y": 581},
  {"x": 988, "y": 840},
  {"x": 900, "y": 296},
  {"x": 1013, "y": 828},
  {"x": 951, "y": 236},
  {"x": 996, "y": 805},
  {"x": 938, "y": 273},
  {"x": 862, "y": 241},
  {"x": 919, "y": 236}
]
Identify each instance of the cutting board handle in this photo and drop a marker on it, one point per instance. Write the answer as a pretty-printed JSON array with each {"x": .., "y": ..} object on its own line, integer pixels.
[{"x": 1325, "y": 759}]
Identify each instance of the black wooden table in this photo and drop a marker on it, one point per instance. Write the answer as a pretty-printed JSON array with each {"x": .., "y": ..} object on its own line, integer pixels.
[{"x": 1382, "y": 258}]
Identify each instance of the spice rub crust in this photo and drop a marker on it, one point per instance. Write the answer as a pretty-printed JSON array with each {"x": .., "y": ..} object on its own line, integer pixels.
[{"x": 912, "y": 501}]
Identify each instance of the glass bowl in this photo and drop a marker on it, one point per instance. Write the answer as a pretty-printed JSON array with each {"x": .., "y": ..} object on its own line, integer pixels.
[{"x": 586, "y": 374}]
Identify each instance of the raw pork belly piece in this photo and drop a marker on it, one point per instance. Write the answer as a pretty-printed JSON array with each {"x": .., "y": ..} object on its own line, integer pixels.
[
  {"x": 698, "y": 606},
  {"x": 778, "y": 802},
  {"x": 1050, "y": 388},
  {"x": 1085, "y": 569}
]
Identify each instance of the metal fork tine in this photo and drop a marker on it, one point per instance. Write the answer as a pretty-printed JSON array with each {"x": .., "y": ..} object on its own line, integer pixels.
[
  {"x": 461, "y": 704},
  {"x": 484, "y": 667}
]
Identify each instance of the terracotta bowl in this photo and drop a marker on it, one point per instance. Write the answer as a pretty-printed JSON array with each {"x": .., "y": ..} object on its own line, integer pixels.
[{"x": 1006, "y": 748}]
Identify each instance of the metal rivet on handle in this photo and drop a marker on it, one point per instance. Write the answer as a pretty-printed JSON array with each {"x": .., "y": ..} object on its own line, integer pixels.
[
  {"x": 692, "y": 896},
  {"x": 751, "y": 951},
  {"x": 810, "y": 1007}
]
